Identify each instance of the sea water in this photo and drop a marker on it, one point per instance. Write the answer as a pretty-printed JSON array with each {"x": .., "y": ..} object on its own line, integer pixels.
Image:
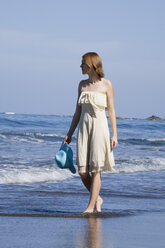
[{"x": 31, "y": 182}]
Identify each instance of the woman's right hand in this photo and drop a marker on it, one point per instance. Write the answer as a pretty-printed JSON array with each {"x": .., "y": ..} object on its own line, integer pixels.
[{"x": 67, "y": 139}]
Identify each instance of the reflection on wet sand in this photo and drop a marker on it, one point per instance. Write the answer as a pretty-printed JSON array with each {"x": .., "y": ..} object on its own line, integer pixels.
[
  {"x": 90, "y": 235},
  {"x": 94, "y": 235}
]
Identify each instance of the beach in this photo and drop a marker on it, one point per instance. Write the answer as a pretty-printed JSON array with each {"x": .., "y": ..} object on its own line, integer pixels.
[
  {"x": 146, "y": 230},
  {"x": 41, "y": 205}
]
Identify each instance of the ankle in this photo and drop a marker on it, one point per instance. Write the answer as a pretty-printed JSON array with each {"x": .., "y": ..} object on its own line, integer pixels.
[{"x": 99, "y": 198}]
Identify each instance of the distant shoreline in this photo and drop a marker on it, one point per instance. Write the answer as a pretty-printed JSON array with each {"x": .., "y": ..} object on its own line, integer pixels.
[{"x": 151, "y": 118}]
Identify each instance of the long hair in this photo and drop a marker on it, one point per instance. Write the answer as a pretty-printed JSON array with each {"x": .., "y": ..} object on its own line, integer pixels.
[{"x": 93, "y": 61}]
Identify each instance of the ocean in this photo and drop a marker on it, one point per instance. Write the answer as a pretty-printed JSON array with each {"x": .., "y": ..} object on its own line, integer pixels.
[{"x": 31, "y": 182}]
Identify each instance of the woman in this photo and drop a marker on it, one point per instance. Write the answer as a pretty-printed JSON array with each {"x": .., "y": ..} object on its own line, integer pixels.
[{"x": 94, "y": 147}]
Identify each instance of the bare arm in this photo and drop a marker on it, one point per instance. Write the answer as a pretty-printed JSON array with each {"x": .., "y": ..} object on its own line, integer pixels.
[
  {"x": 75, "y": 119},
  {"x": 111, "y": 113}
]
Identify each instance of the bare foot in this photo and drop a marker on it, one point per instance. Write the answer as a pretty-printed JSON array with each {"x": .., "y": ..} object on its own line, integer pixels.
[
  {"x": 99, "y": 202},
  {"x": 87, "y": 211}
]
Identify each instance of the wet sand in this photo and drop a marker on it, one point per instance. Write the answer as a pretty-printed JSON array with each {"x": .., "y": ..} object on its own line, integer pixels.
[
  {"x": 146, "y": 230},
  {"x": 70, "y": 215}
]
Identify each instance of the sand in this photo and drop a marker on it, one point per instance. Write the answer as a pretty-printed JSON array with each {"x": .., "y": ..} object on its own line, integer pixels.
[{"x": 140, "y": 231}]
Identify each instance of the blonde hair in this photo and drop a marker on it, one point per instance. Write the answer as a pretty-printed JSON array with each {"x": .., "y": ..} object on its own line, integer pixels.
[{"x": 93, "y": 61}]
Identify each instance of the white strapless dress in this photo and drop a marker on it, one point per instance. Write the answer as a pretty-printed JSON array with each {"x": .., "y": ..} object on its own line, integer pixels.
[{"x": 93, "y": 138}]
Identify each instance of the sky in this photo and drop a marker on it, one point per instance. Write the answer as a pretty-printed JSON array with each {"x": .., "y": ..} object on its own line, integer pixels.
[{"x": 42, "y": 43}]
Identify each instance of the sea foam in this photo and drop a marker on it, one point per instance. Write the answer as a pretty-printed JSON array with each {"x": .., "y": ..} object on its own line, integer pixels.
[
  {"x": 12, "y": 174},
  {"x": 29, "y": 175},
  {"x": 9, "y": 113},
  {"x": 139, "y": 165}
]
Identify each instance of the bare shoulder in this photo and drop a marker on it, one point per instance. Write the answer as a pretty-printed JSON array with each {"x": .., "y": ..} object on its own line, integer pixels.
[
  {"x": 108, "y": 85},
  {"x": 81, "y": 84}
]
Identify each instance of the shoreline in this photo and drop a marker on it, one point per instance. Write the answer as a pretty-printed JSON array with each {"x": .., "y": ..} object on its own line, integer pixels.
[{"x": 74, "y": 215}]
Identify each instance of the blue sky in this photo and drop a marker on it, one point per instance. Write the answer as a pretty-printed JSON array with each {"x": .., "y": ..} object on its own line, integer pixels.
[{"x": 42, "y": 42}]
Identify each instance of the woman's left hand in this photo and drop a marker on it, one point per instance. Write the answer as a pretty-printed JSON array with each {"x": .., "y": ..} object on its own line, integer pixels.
[{"x": 114, "y": 142}]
